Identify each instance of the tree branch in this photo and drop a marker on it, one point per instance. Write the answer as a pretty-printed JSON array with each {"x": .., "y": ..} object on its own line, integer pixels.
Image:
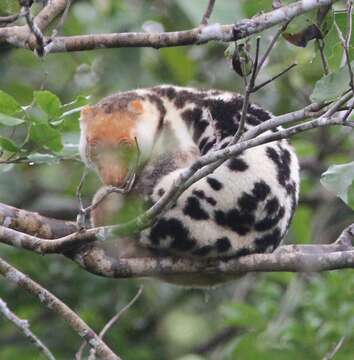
[
  {"x": 53, "y": 303},
  {"x": 294, "y": 258},
  {"x": 208, "y": 12},
  {"x": 23, "y": 326},
  {"x": 17, "y": 36}
]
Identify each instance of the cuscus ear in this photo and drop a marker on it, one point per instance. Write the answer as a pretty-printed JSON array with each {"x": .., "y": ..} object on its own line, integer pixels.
[{"x": 136, "y": 106}]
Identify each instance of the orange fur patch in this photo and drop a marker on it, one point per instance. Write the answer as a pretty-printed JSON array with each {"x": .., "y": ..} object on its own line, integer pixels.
[
  {"x": 108, "y": 129},
  {"x": 136, "y": 106}
]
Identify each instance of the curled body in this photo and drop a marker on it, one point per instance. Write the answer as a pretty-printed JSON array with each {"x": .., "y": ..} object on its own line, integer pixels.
[{"x": 245, "y": 206}]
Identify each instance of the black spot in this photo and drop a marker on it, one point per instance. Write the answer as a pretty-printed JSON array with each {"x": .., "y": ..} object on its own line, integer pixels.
[
  {"x": 291, "y": 188},
  {"x": 269, "y": 222},
  {"x": 202, "y": 251},
  {"x": 199, "y": 128},
  {"x": 260, "y": 190},
  {"x": 247, "y": 202},
  {"x": 190, "y": 116},
  {"x": 214, "y": 184},
  {"x": 202, "y": 143},
  {"x": 201, "y": 195},
  {"x": 282, "y": 162},
  {"x": 272, "y": 154},
  {"x": 242, "y": 252},
  {"x": 173, "y": 229},
  {"x": 259, "y": 113},
  {"x": 211, "y": 200},
  {"x": 194, "y": 210},
  {"x": 240, "y": 222},
  {"x": 223, "y": 244},
  {"x": 272, "y": 206},
  {"x": 160, "y": 192},
  {"x": 161, "y": 108},
  {"x": 286, "y": 155},
  {"x": 168, "y": 92},
  {"x": 267, "y": 241},
  {"x": 207, "y": 147},
  {"x": 183, "y": 245},
  {"x": 252, "y": 120},
  {"x": 184, "y": 96},
  {"x": 225, "y": 113},
  {"x": 237, "y": 164},
  {"x": 220, "y": 217}
]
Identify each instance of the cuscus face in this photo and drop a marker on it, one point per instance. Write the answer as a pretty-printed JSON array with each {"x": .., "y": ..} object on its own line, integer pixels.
[{"x": 108, "y": 138}]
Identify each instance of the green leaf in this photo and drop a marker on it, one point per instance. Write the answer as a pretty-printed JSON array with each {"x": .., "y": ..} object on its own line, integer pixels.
[
  {"x": 10, "y": 120},
  {"x": 78, "y": 102},
  {"x": 48, "y": 102},
  {"x": 45, "y": 136},
  {"x": 333, "y": 48},
  {"x": 8, "y": 145},
  {"x": 8, "y": 105},
  {"x": 245, "y": 315},
  {"x": 339, "y": 179},
  {"x": 331, "y": 86}
]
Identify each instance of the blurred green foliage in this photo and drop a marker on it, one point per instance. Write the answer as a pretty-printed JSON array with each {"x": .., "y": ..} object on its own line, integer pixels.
[{"x": 280, "y": 316}]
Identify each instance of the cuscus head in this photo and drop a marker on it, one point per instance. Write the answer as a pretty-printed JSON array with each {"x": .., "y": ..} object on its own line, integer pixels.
[{"x": 113, "y": 133}]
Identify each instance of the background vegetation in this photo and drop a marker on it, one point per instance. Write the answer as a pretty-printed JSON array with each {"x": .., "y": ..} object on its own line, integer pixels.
[{"x": 262, "y": 316}]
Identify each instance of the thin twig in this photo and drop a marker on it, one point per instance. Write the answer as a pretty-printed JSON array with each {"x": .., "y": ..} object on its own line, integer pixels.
[
  {"x": 271, "y": 46},
  {"x": 6, "y": 20},
  {"x": 348, "y": 112},
  {"x": 62, "y": 20},
  {"x": 349, "y": 23},
  {"x": 36, "y": 31},
  {"x": 336, "y": 348},
  {"x": 246, "y": 98},
  {"x": 23, "y": 326},
  {"x": 208, "y": 12},
  {"x": 347, "y": 56},
  {"x": 321, "y": 45},
  {"x": 256, "y": 88},
  {"x": 114, "y": 319}
]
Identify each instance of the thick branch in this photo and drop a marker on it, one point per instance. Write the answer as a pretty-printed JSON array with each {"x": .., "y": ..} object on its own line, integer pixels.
[
  {"x": 199, "y": 35},
  {"x": 49, "y": 13},
  {"x": 295, "y": 258},
  {"x": 21, "y": 36}
]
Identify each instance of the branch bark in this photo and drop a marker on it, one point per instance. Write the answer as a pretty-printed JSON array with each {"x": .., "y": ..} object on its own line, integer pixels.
[
  {"x": 53, "y": 303},
  {"x": 293, "y": 258},
  {"x": 19, "y": 36},
  {"x": 23, "y": 326}
]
